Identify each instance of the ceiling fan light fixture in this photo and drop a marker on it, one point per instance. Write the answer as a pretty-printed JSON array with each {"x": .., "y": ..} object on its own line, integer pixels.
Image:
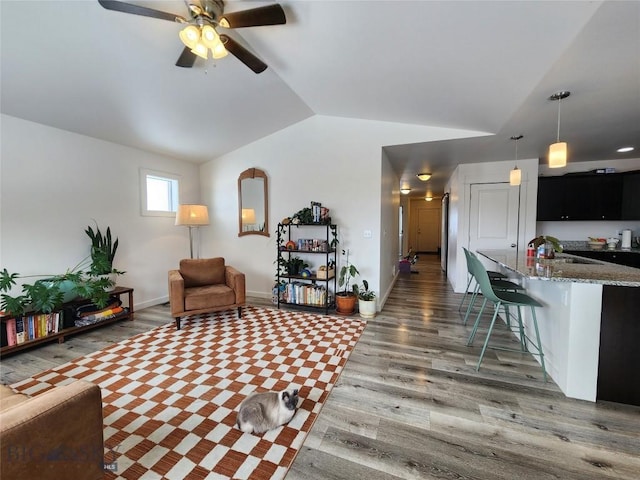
[
  {"x": 218, "y": 50},
  {"x": 200, "y": 50},
  {"x": 424, "y": 176},
  {"x": 190, "y": 36},
  {"x": 224, "y": 23},
  {"x": 209, "y": 37}
]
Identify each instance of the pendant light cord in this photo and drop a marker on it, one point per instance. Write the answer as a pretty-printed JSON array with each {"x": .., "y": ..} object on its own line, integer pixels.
[{"x": 558, "y": 135}]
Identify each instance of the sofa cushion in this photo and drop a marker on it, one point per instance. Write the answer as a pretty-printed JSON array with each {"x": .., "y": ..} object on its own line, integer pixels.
[
  {"x": 211, "y": 296},
  {"x": 202, "y": 271}
]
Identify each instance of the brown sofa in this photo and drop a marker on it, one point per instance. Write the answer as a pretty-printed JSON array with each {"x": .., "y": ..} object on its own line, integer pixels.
[
  {"x": 53, "y": 435},
  {"x": 204, "y": 285}
]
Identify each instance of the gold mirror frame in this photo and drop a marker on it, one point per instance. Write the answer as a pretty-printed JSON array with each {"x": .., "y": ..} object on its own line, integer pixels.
[{"x": 253, "y": 180}]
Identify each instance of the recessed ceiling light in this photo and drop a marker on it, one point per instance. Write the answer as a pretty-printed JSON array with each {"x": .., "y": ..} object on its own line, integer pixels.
[
  {"x": 405, "y": 191},
  {"x": 625, "y": 149}
]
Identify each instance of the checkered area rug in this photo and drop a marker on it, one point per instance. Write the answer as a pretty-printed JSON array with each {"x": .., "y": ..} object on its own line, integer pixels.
[{"x": 170, "y": 397}]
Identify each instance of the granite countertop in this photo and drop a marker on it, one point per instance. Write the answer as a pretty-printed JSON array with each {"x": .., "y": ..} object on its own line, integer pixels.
[{"x": 565, "y": 268}]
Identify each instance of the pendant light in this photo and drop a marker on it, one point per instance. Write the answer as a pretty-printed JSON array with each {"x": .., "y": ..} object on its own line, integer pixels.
[
  {"x": 515, "y": 177},
  {"x": 558, "y": 150}
]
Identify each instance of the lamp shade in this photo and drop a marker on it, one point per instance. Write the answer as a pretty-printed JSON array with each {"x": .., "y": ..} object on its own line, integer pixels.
[
  {"x": 248, "y": 216},
  {"x": 192, "y": 215},
  {"x": 424, "y": 176},
  {"x": 558, "y": 155},
  {"x": 190, "y": 36},
  {"x": 515, "y": 177}
]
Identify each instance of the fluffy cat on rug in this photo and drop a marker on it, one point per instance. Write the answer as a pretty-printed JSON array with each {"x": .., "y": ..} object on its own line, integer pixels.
[{"x": 260, "y": 412}]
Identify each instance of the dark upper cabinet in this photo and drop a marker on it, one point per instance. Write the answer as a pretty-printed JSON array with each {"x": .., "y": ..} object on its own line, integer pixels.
[
  {"x": 580, "y": 197},
  {"x": 631, "y": 196},
  {"x": 550, "y": 198}
]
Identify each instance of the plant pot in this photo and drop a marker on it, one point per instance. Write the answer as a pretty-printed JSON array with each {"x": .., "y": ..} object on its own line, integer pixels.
[
  {"x": 345, "y": 303},
  {"x": 367, "y": 308},
  {"x": 67, "y": 287}
]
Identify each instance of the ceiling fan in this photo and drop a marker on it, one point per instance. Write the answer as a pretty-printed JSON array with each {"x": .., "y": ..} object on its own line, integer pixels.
[{"x": 200, "y": 35}]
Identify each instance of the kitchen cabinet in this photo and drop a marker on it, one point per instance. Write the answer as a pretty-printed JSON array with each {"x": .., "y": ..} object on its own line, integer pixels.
[
  {"x": 631, "y": 196},
  {"x": 580, "y": 197}
]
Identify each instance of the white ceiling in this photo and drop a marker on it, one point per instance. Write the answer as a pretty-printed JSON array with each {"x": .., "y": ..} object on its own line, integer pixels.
[{"x": 483, "y": 66}]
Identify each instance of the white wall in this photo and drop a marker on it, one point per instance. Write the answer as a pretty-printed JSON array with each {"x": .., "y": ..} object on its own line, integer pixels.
[
  {"x": 390, "y": 238},
  {"x": 335, "y": 161},
  {"x": 459, "y": 208},
  {"x": 581, "y": 230},
  {"x": 55, "y": 183}
]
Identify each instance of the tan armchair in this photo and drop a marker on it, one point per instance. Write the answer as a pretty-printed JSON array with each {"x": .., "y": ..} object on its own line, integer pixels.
[{"x": 205, "y": 285}]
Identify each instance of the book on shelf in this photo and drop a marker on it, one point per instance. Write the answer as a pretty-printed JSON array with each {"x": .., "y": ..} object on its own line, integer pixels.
[
  {"x": 10, "y": 325},
  {"x": 20, "y": 332}
]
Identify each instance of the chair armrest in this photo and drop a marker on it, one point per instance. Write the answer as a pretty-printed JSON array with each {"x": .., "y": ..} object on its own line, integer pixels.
[
  {"x": 56, "y": 434},
  {"x": 176, "y": 292},
  {"x": 236, "y": 281}
]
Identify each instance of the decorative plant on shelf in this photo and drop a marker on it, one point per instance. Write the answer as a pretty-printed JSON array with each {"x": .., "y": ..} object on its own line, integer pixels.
[
  {"x": 293, "y": 265},
  {"x": 48, "y": 293},
  {"x": 103, "y": 251}
]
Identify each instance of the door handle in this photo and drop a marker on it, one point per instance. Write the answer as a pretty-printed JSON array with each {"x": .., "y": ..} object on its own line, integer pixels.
[{"x": 513, "y": 245}]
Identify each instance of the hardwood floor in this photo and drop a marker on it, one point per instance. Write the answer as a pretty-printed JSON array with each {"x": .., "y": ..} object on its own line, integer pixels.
[{"x": 409, "y": 403}]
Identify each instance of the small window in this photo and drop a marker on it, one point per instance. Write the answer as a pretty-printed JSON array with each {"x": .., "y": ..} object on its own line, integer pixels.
[{"x": 158, "y": 193}]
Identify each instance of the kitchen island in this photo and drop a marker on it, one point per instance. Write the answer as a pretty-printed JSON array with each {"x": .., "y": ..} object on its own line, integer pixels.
[{"x": 589, "y": 322}]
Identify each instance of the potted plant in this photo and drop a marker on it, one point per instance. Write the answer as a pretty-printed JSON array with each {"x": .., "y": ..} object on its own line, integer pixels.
[
  {"x": 366, "y": 301},
  {"x": 346, "y": 298},
  {"x": 103, "y": 251},
  {"x": 92, "y": 279},
  {"x": 545, "y": 246},
  {"x": 293, "y": 265},
  {"x": 48, "y": 294}
]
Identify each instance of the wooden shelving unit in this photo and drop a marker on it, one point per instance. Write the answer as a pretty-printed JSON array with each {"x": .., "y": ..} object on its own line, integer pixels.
[{"x": 65, "y": 332}]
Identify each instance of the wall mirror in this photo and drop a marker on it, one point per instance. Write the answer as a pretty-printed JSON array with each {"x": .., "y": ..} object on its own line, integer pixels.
[{"x": 253, "y": 211}]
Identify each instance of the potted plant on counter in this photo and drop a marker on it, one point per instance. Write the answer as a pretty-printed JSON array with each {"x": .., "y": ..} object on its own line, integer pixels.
[
  {"x": 366, "y": 301},
  {"x": 545, "y": 246},
  {"x": 346, "y": 298}
]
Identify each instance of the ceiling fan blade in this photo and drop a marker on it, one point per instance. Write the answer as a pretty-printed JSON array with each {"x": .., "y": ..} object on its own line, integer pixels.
[
  {"x": 138, "y": 10},
  {"x": 187, "y": 58},
  {"x": 242, "y": 54},
  {"x": 255, "y": 17}
]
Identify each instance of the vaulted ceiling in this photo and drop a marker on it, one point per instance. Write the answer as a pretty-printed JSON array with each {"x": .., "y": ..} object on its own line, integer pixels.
[{"x": 485, "y": 66}]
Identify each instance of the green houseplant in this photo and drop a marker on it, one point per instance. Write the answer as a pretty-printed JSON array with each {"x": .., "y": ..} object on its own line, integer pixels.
[
  {"x": 103, "y": 251},
  {"x": 366, "y": 300},
  {"x": 91, "y": 279},
  {"x": 48, "y": 293},
  {"x": 293, "y": 265},
  {"x": 552, "y": 244},
  {"x": 346, "y": 298}
]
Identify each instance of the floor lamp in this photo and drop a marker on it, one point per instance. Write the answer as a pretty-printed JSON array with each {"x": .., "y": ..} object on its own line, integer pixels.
[{"x": 192, "y": 216}]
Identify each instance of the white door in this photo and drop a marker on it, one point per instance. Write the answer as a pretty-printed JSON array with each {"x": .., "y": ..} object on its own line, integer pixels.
[
  {"x": 428, "y": 233},
  {"x": 493, "y": 219}
]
